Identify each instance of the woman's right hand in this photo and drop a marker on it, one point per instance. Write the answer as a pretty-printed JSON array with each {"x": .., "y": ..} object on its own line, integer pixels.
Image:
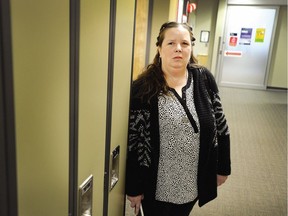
[{"x": 135, "y": 202}]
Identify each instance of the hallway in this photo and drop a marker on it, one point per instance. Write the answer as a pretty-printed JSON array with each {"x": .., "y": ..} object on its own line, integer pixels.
[
  {"x": 258, "y": 184},
  {"x": 65, "y": 78}
]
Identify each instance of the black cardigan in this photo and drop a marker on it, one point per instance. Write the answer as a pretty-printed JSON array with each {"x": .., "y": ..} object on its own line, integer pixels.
[{"x": 144, "y": 141}]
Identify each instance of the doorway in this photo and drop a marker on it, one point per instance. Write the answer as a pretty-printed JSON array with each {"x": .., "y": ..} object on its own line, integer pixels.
[{"x": 246, "y": 47}]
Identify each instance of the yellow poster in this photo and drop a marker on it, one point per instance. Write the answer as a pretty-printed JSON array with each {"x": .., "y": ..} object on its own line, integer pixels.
[{"x": 260, "y": 34}]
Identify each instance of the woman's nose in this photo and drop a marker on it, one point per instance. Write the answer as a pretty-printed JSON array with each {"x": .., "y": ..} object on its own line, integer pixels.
[{"x": 178, "y": 48}]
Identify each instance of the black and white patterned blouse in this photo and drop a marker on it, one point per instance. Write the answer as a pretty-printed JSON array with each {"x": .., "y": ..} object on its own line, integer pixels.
[
  {"x": 143, "y": 152},
  {"x": 179, "y": 148}
]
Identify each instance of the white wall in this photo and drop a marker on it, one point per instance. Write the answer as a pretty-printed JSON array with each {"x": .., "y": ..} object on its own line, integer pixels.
[{"x": 258, "y": 2}]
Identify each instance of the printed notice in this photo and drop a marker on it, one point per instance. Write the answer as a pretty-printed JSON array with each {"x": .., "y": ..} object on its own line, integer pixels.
[
  {"x": 260, "y": 35},
  {"x": 245, "y": 36},
  {"x": 233, "y": 39}
]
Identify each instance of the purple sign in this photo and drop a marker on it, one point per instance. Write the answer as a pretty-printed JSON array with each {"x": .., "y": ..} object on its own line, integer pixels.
[{"x": 245, "y": 36}]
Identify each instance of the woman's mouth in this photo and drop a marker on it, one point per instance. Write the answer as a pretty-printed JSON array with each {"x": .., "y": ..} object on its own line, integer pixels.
[{"x": 177, "y": 57}]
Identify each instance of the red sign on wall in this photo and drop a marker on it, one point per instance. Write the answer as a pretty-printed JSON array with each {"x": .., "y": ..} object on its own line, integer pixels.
[{"x": 233, "y": 39}]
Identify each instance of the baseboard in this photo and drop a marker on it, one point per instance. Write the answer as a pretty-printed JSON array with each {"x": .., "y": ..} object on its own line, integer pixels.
[{"x": 276, "y": 88}]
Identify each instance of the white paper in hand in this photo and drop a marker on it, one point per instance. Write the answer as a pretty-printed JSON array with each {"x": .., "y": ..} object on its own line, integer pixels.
[{"x": 141, "y": 212}]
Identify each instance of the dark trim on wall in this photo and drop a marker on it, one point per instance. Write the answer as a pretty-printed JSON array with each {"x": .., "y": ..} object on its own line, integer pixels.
[
  {"x": 73, "y": 106},
  {"x": 277, "y": 88},
  {"x": 133, "y": 40},
  {"x": 112, "y": 26},
  {"x": 8, "y": 171},
  {"x": 149, "y": 30}
]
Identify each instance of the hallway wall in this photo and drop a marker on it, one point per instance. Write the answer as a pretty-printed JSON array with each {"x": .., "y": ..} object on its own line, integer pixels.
[
  {"x": 40, "y": 41},
  {"x": 205, "y": 19},
  {"x": 278, "y": 69}
]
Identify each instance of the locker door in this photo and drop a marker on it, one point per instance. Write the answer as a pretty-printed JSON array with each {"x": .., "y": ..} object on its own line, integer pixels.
[
  {"x": 123, "y": 55},
  {"x": 40, "y": 41},
  {"x": 93, "y": 76}
]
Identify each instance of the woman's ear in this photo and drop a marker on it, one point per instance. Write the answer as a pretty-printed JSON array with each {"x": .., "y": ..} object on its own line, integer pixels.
[{"x": 159, "y": 51}]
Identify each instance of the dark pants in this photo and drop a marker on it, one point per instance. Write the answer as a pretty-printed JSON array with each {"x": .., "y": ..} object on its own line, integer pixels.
[{"x": 157, "y": 208}]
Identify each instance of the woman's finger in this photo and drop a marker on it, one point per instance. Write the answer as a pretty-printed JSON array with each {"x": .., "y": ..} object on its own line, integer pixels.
[{"x": 137, "y": 208}]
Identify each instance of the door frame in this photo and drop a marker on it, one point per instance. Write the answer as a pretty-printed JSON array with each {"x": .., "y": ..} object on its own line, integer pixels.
[
  {"x": 8, "y": 170},
  {"x": 73, "y": 106},
  {"x": 222, "y": 43}
]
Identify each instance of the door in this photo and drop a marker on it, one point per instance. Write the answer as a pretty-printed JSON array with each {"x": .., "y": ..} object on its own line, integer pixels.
[
  {"x": 142, "y": 28},
  {"x": 247, "y": 43},
  {"x": 40, "y": 41},
  {"x": 93, "y": 75},
  {"x": 122, "y": 72}
]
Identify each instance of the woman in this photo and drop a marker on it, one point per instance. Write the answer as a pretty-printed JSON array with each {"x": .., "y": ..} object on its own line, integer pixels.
[{"x": 179, "y": 146}]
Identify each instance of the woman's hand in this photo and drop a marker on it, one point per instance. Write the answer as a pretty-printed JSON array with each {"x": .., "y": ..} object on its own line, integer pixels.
[
  {"x": 221, "y": 179},
  {"x": 135, "y": 202}
]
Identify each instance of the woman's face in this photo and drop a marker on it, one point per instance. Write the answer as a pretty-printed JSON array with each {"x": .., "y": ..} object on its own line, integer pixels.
[{"x": 175, "y": 51}]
